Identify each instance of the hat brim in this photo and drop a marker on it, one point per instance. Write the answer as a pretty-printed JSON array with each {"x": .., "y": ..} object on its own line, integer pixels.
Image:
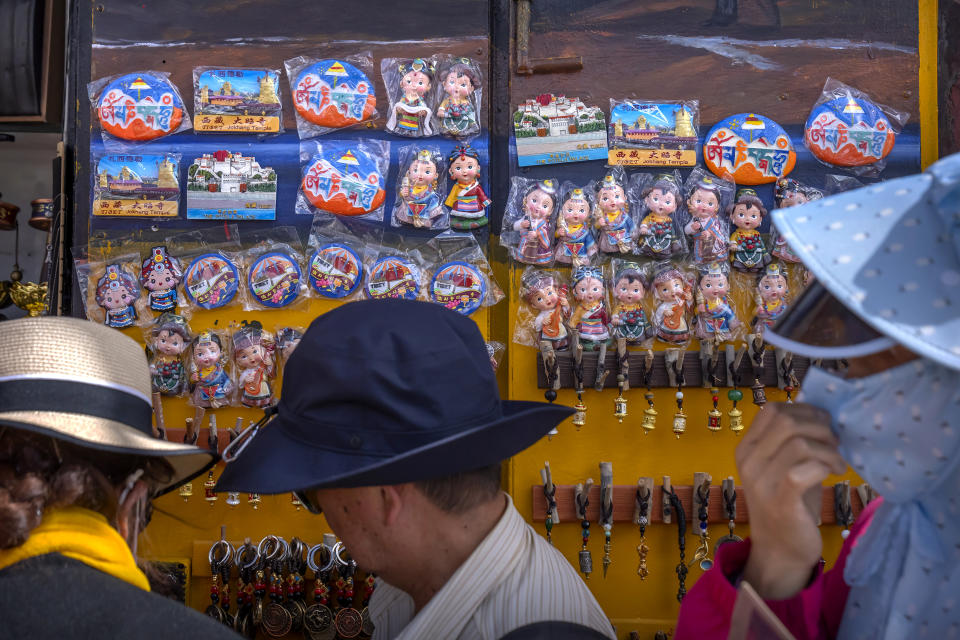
[
  {"x": 275, "y": 462},
  {"x": 187, "y": 461},
  {"x": 881, "y": 251}
]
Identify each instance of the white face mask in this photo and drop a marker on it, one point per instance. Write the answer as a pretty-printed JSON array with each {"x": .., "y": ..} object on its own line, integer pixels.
[{"x": 900, "y": 431}]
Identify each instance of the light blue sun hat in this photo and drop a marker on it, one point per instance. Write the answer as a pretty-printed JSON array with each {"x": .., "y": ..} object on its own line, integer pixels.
[{"x": 887, "y": 262}]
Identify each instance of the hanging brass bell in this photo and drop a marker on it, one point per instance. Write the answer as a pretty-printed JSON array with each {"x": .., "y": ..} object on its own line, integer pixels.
[
  {"x": 759, "y": 394},
  {"x": 713, "y": 422},
  {"x": 580, "y": 417},
  {"x": 649, "y": 422},
  {"x": 679, "y": 423},
  {"x": 186, "y": 490},
  {"x": 620, "y": 407},
  {"x": 736, "y": 420}
]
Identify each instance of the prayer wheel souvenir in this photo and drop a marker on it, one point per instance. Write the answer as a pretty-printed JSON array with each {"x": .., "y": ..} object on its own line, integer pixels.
[
  {"x": 211, "y": 281},
  {"x": 41, "y": 213},
  {"x": 849, "y": 131},
  {"x": 334, "y": 94},
  {"x": 335, "y": 270},
  {"x": 140, "y": 106},
  {"x": 117, "y": 291},
  {"x": 458, "y": 286},
  {"x": 344, "y": 179},
  {"x": 160, "y": 274},
  {"x": 274, "y": 279},
  {"x": 749, "y": 147},
  {"x": 467, "y": 201},
  {"x": 8, "y": 216},
  {"x": 393, "y": 277}
]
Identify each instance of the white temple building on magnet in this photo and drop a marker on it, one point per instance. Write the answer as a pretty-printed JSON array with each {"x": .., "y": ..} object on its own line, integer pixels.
[
  {"x": 234, "y": 170},
  {"x": 560, "y": 114}
]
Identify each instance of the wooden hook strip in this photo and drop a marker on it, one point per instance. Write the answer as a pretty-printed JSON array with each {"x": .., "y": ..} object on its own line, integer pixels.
[{"x": 624, "y": 503}]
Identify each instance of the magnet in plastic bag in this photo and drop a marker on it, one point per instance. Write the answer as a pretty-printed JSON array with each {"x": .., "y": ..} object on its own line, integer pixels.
[
  {"x": 849, "y": 131},
  {"x": 334, "y": 93},
  {"x": 253, "y": 351},
  {"x": 459, "y": 286},
  {"x": 140, "y": 106},
  {"x": 457, "y": 112},
  {"x": 274, "y": 279},
  {"x": 117, "y": 291},
  {"x": 411, "y": 114},
  {"x": 748, "y": 253},
  {"x": 716, "y": 319},
  {"x": 225, "y": 185},
  {"x": 393, "y": 277},
  {"x": 160, "y": 274},
  {"x": 771, "y": 295},
  {"x": 237, "y": 100},
  {"x": 335, "y": 270},
  {"x": 140, "y": 185},
  {"x": 752, "y": 148},
  {"x": 673, "y": 294},
  {"x": 345, "y": 180},
  {"x": 211, "y": 281}
]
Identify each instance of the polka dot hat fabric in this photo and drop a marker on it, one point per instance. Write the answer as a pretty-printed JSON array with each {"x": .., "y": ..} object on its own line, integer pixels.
[{"x": 890, "y": 252}]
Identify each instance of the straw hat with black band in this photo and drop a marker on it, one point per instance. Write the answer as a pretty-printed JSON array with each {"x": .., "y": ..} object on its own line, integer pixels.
[{"x": 88, "y": 385}]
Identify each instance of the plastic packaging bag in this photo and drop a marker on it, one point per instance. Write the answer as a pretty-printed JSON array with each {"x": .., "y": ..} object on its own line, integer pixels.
[
  {"x": 337, "y": 263},
  {"x": 274, "y": 276},
  {"x": 410, "y": 91},
  {"x": 467, "y": 201},
  {"x": 673, "y": 286},
  {"x": 847, "y": 130},
  {"x": 420, "y": 189},
  {"x": 137, "y": 107},
  {"x": 331, "y": 94},
  {"x": 211, "y": 279},
  {"x": 460, "y": 277},
  {"x": 653, "y": 133},
  {"x": 167, "y": 342},
  {"x": 393, "y": 271},
  {"x": 612, "y": 214},
  {"x": 543, "y": 316},
  {"x": 630, "y": 315},
  {"x": 460, "y": 90},
  {"x": 495, "y": 350},
  {"x": 529, "y": 220},
  {"x": 789, "y": 193},
  {"x": 716, "y": 320},
  {"x": 748, "y": 250},
  {"x": 343, "y": 178},
  {"x": 576, "y": 241},
  {"x": 212, "y": 383},
  {"x": 707, "y": 199},
  {"x": 771, "y": 297},
  {"x": 287, "y": 340},
  {"x": 232, "y": 100},
  {"x": 662, "y": 213},
  {"x": 136, "y": 185},
  {"x": 111, "y": 286},
  {"x": 255, "y": 360}
]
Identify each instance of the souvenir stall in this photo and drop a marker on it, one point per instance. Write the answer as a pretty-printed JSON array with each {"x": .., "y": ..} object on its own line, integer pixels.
[{"x": 593, "y": 192}]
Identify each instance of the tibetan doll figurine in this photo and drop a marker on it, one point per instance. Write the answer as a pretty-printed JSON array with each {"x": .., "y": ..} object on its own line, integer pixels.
[
  {"x": 117, "y": 291},
  {"x": 709, "y": 240},
  {"x": 673, "y": 295},
  {"x": 536, "y": 225},
  {"x": 577, "y": 245},
  {"x": 629, "y": 321},
  {"x": 418, "y": 191},
  {"x": 658, "y": 234},
  {"x": 748, "y": 253},
  {"x": 253, "y": 352},
  {"x": 467, "y": 201},
  {"x": 617, "y": 229},
  {"x": 212, "y": 386},
  {"x": 548, "y": 299},
  {"x": 288, "y": 339},
  {"x": 788, "y": 193},
  {"x": 771, "y": 296},
  {"x": 716, "y": 319},
  {"x": 160, "y": 274},
  {"x": 457, "y": 113},
  {"x": 411, "y": 114},
  {"x": 590, "y": 319},
  {"x": 169, "y": 338}
]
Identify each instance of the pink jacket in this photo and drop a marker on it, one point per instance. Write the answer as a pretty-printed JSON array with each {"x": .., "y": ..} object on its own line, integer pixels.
[{"x": 812, "y": 614}]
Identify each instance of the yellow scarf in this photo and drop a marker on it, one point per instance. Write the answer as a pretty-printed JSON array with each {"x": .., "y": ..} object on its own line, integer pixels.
[{"x": 83, "y": 535}]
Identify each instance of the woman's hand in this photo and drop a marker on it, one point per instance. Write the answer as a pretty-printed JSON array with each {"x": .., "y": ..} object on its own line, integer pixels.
[{"x": 787, "y": 453}]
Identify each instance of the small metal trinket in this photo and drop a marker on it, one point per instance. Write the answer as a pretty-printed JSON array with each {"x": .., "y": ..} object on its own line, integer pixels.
[
  {"x": 186, "y": 491},
  {"x": 620, "y": 407},
  {"x": 649, "y": 422},
  {"x": 580, "y": 417}
]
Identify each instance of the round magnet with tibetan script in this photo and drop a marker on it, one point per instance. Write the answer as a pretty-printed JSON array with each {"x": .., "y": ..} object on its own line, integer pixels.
[
  {"x": 140, "y": 106},
  {"x": 344, "y": 179},
  {"x": 750, "y": 148},
  {"x": 334, "y": 93},
  {"x": 848, "y": 131}
]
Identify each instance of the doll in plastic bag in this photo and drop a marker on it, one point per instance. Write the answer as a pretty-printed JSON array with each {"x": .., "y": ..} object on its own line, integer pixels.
[
  {"x": 288, "y": 339},
  {"x": 658, "y": 231},
  {"x": 548, "y": 299},
  {"x": 674, "y": 295},
  {"x": 411, "y": 114},
  {"x": 253, "y": 352},
  {"x": 117, "y": 291},
  {"x": 418, "y": 191},
  {"x": 629, "y": 320},
  {"x": 458, "y": 116},
  {"x": 169, "y": 337},
  {"x": 212, "y": 386},
  {"x": 704, "y": 228},
  {"x": 716, "y": 319},
  {"x": 536, "y": 225},
  {"x": 771, "y": 295},
  {"x": 748, "y": 253},
  {"x": 576, "y": 245},
  {"x": 789, "y": 193},
  {"x": 618, "y": 231},
  {"x": 590, "y": 319},
  {"x": 160, "y": 274}
]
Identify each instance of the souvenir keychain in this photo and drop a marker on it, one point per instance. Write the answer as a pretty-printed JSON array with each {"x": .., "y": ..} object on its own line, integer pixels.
[
  {"x": 411, "y": 115},
  {"x": 716, "y": 319},
  {"x": 590, "y": 318},
  {"x": 457, "y": 113},
  {"x": 160, "y": 274},
  {"x": 212, "y": 386},
  {"x": 771, "y": 296},
  {"x": 169, "y": 338},
  {"x": 419, "y": 201},
  {"x": 576, "y": 245},
  {"x": 211, "y": 280},
  {"x": 548, "y": 297},
  {"x": 611, "y": 215},
  {"x": 658, "y": 232},
  {"x": 748, "y": 253},
  {"x": 581, "y": 498},
  {"x": 536, "y": 225},
  {"x": 253, "y": 351},
  {"x": 704, "y": 228},
  {"x": 674, "y": 296},
  {"x": 117, "y": 291},
  {"x": 467, "y": 200}
]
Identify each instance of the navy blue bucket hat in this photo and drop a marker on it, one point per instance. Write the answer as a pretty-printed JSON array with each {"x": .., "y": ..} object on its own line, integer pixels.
[{"x": 386, "y": 392}]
